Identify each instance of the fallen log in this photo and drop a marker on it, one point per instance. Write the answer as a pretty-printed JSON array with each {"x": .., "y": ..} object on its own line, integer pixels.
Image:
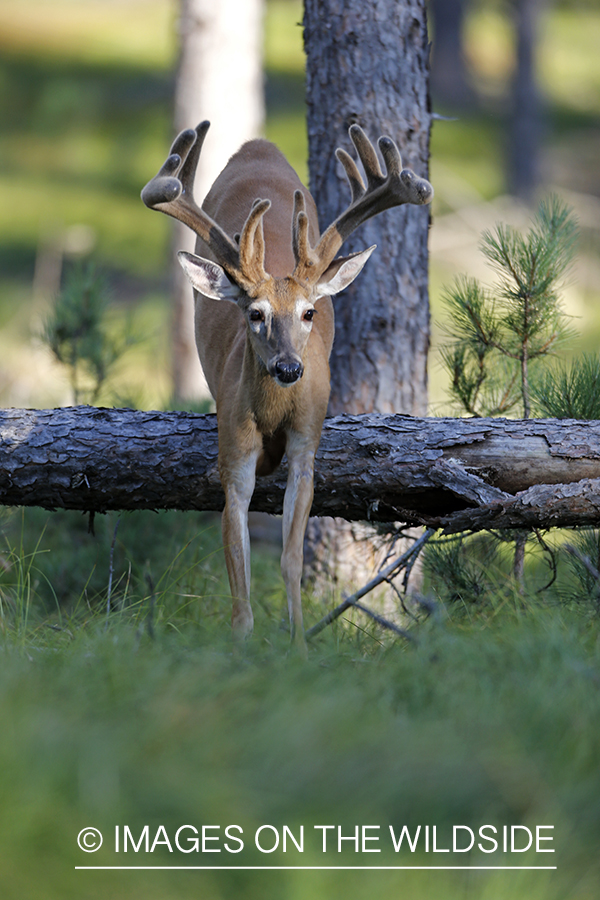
[{"x": 442, "y": 472}]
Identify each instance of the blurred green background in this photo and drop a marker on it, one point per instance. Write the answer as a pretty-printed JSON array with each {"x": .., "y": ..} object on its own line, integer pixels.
[
  {"x": 146, "y": 717},
  {"x": 85, "y": 92}
]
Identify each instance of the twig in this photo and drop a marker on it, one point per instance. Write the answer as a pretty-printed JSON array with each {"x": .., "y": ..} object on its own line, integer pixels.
[
  {"x": 390, "y": 549},
  {"x": 151, "y": 607},
  {"x": 110, "y": 568},
  {"x": 552, "y": 557},
  {"x": 400, "y": 597},
  {"x": 385, "y": 623},
  {"x": 589, "y": 565},
  {"x": 398, "y": 535},
  {"x": 382, "y": 576},
  {"x": 519, "y": 562},
  {"x": 408, "y": 570},
  {"x": 585, "y": 560}
]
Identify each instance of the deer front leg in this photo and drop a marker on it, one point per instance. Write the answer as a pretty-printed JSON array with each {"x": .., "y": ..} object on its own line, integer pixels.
[
  {"x": 296, "y": 508},
  {"x": 238, "y": 484}
]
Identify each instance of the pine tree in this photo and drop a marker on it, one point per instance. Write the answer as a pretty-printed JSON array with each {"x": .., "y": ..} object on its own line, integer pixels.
[
  {"x": 498, "y": 334},
  {"x": 77, "y": 334}
]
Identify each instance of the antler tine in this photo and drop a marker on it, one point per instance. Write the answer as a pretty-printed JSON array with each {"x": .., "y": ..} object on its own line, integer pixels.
[
  {"x": 299, "y": 208},
  {"x": 418, "y": 190},
  {"x": 171, "y": 192},
  {"x": 368, "y": 156},
  {"x": 391, "y": 156},
  {"x": 187, "y": 173},
  {"x": 165, "y": 187},
  {"x": 252, "y": 243},
  {"x": 357, "y": 185},
  {"x": 396, "y": 187},
  {"x": 303, "y": 253}
]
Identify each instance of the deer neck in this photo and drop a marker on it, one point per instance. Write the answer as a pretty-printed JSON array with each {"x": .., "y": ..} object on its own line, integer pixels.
[{"x": 271, "y": 405}]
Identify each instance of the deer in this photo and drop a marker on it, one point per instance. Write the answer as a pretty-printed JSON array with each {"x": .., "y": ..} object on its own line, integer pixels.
[{"x": 263, "y": 278}]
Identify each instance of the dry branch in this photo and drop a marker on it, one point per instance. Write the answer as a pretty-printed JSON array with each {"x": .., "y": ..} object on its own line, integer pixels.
[
  {"x": 386, "y": 574},
  {"x": 442, "y": 472}
]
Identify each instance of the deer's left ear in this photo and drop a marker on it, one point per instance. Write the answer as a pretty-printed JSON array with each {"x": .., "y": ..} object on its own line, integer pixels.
[{"x": 342, "y": 272}]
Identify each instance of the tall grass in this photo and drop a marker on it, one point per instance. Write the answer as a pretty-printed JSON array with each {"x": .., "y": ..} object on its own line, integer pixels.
[{"x": 148, "y": 718}]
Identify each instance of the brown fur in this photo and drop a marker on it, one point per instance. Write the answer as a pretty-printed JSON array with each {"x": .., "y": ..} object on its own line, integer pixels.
[
  {"x": 256, "y": 415},
  {"x": 264, "y": 322}
]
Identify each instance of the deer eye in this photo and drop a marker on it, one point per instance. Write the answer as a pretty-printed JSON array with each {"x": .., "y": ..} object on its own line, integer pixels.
[
  {"x": 308, "y": 315},
  {"x": 256, "y": 315}
]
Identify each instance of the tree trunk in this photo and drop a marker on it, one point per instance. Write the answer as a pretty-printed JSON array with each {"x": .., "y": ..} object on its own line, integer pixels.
[
  {"x": 219, "y": 78},
  {"x": 368, "y": 63},
  {"x": 457, "y": 474}
]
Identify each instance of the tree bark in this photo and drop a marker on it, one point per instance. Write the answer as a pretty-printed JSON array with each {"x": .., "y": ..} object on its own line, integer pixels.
[
  {"x": 368, "y": 63},
  {"x": 219, "y": 78},
  {"x": 456, "y": 474}
]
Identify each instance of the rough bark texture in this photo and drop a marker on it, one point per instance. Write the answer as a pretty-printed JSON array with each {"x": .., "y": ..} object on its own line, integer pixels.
[
  {"x": 368, "y": 63},
  {"x": 449, "y": 473},
  {"x": 219, "y": 78}
]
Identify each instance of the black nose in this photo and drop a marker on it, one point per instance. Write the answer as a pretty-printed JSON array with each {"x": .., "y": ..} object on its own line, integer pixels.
[{"x": 287, "y": 372}]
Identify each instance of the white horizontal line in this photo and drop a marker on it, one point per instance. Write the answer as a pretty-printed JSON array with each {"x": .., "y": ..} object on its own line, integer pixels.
[{"x": 319, "y": 868}]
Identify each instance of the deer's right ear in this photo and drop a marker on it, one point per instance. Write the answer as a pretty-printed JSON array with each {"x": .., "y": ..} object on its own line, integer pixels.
[{"x": 208, "y": 278}]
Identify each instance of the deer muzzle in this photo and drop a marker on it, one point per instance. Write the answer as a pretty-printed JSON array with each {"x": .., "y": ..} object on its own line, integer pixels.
[{"x": 286, "y": 372}]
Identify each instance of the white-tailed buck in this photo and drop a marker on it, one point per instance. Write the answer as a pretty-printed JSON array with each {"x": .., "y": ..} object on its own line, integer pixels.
[{"x": 264, "y": 321}]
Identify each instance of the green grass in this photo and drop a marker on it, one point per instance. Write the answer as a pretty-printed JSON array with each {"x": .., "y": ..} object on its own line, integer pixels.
[
  {"x": 283, "y": 37},
  {"x": 109, "y": 32},
  {"x": 568, "y": 69},
  {"x": 466, "y": 160},
  {"x": 105, "y": 726},
  {"x": 145, "y": 716}
]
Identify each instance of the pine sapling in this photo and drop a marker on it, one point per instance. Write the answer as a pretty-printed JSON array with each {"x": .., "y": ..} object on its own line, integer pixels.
[
  {"x": 76, "y": 332},
  {"x": 497, "y": 333},
  {"x": 569, "y": 391}
]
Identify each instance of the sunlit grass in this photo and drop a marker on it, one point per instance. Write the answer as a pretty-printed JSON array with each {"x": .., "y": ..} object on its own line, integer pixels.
[
  {"x": 466, "y": 162},
  {"x": 126, "y": 237},
  {"x": 569, "y": 59},
  {"x": 283, "y": 37},
  {"x": 288, "y": 131},
  {"x": 566, "y": 58},
  {"x": 136, "y": 33}
]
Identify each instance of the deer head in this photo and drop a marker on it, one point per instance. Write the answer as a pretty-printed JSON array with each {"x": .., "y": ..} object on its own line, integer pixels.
[{"x": 279, "y": 311}]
